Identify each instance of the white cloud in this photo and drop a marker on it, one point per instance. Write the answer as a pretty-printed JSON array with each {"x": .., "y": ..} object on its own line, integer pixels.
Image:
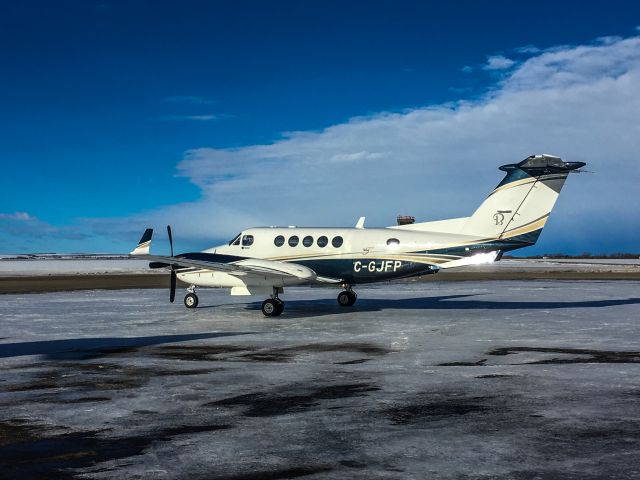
[
  {"x": 22, "y": 232},
  {"x": 466, "y": 69},
  {"x": 197, "y": 118},
  {"x": 498, "y": 62},
  {"x": 189, "y": 100},
  {"x": 20, "y": 216},
  {"x": 577, "y": 102},
  {"x": 528, "y": 49}
]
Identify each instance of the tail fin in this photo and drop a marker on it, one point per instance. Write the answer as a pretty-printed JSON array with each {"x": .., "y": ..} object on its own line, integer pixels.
[
  {"x": 519, "y": 206},
  {"x": 144, "y": 245}
]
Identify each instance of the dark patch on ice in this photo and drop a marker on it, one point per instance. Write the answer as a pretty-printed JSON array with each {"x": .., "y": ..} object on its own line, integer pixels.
[
  {"x": 33, "y": 451},
  {"x": 494, "y": 375},
  {"x": 197, "y": 352},
  {"x": 291, "y": 399},
  {"x": 545, "y": 474},
  {"x": 435, "y": 410},
  {"x": 283, "y": 473},
  {"x": 253, "y": 353},
  {"x": 479, "y": 363},
  {"x": 83, "y": 400},
  {"x": 604, "y": 449},
  {"x": 126, "y": 377},
  {"x": 353, "y": 464},
  {"x": 268, "y": 357},
  {"x": 89, "y": 377},
  {"x": 353, "y": 347},
  {"x": 353, "y": 362},
  {"x": 587, "y": 355}
]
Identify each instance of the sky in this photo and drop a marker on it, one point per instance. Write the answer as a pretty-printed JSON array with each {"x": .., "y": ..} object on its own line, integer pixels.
[{"x": 218, "y": 116}]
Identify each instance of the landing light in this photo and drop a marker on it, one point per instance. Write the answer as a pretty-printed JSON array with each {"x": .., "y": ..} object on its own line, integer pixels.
[{"x": 480, "y": 258}]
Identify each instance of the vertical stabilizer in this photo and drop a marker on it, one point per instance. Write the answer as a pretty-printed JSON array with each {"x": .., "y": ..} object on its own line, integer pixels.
[{"x": 519, "y": 206}]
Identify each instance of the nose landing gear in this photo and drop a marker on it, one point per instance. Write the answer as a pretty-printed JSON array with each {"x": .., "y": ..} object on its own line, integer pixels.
[
  {"x": 347, "y": 297},
  {"x": 191, "y": 299}
]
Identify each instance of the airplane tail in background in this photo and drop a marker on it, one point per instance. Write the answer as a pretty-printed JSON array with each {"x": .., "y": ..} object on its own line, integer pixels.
[
  {"x": 519, "y": 206},
  {"x": 144, "y": 245}
]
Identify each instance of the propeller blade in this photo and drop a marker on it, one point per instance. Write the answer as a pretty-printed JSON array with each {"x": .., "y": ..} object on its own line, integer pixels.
[
  {"x": 172, "y": 291},
  {"x": 170, "y": 238}
]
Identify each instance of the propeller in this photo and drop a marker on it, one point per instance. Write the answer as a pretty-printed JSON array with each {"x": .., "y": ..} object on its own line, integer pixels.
[{"x": 172, "y": 289}]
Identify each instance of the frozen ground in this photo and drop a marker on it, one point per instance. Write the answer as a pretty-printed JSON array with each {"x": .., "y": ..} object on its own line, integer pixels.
[
  {"x": 469, "y": 380},
  {"x": 64, "y": 266}
]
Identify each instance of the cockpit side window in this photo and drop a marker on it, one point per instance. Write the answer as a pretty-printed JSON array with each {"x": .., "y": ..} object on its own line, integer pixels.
[
  {"x": 236, "y": 240},
  {"x": 247, "y": 240}
]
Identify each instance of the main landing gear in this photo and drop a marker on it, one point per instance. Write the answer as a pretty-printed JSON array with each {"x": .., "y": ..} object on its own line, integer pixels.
[
  {"x": 273, "y": 307},
  {"x": 347, "y": 297},
  {"x": 191, "y": 299}
]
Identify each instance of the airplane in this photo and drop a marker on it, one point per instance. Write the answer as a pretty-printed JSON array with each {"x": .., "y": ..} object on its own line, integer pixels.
[{"x": 265, "y": 260}]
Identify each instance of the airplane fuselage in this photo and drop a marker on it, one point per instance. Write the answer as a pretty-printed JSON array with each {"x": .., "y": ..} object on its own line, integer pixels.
[{"x": 346, "y": 255}]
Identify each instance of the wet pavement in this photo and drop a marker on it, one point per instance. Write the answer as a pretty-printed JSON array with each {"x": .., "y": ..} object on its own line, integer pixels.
[{"x": 482, "y": 380}]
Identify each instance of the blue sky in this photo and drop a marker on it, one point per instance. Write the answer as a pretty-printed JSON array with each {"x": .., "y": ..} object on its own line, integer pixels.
[{"x": 115, "y": 115}]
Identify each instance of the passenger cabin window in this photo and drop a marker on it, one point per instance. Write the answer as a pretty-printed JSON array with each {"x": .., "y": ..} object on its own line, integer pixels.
[
  {"x": 307, "y": 241},
  {"x": 393, "y": 242},
  {"x": 337, "y": 241},
  {"x": 278, "y": 241},
  {"x": 236, "y": 240},
  {"x": 322, "y": 241},
  {"x": 247, "y": 240},
  {"x": 293, "y": 241}
]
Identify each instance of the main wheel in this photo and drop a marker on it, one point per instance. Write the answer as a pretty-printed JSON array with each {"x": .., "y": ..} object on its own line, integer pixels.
[
  {"x": 347, "y": 298},
  {"x": 272, "y": 308},
  {"x": 191, "y": 300}
]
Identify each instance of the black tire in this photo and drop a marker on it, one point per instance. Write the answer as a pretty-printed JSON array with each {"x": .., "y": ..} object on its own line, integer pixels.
[
  {"x": 353, "y": 299},
  {"x": 271, "y": 308},
  {"x": 280, "y": 306},
  {"x": 346, "y": 298},
  {"x": 191, "y": 300}
]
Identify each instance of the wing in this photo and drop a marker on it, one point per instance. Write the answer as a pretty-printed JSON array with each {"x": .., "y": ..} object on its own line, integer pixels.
[{"x": 242, "y": 267}]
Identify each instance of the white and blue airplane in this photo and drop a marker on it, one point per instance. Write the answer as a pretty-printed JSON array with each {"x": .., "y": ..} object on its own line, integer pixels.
[{"x": 265, "y": 260}]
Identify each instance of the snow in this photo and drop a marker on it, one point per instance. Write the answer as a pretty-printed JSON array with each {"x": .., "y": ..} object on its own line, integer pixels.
[{"x": 422, "y": 380}]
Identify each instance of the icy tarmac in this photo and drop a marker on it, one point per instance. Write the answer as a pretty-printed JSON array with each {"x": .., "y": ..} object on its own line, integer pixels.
[{"x": 453, "y": 380}]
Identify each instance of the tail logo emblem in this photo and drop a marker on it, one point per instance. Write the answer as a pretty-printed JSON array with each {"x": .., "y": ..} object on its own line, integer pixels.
[{"x": 498, "y": 217}]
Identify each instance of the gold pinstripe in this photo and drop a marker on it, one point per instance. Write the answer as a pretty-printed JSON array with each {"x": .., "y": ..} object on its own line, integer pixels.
[{"x": 526, "y": 181}]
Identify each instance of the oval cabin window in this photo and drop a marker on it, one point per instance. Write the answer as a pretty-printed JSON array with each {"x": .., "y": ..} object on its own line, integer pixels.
[
  {"x": 293, "y": 241},
  {"x": 322, "y": 241},
  {"x": 278, "y": 241},
  {"x": 337, "y": 241},
  {"x": 393, "y": 242},
  {"x": 307, "y": 241}
]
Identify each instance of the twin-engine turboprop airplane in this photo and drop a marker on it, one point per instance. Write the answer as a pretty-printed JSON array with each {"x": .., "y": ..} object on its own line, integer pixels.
[{"x": 265, "y": 260}]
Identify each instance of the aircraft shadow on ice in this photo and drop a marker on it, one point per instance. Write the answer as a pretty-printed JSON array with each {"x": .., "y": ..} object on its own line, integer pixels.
[
  {"x": 88, "y": 348},
  {"x": 310, "y": 308}
]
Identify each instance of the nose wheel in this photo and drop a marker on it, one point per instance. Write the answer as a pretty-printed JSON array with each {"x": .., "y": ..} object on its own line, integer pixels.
[
  {"x": 347, "y": 298},
  {"x": 191, "y": 300}
]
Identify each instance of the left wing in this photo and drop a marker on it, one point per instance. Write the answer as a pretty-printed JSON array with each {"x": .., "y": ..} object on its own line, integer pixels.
[{"x": 246, "y": 266}]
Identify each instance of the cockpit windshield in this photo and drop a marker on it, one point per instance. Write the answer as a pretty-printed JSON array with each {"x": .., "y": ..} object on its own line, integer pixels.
[{"x": 236, "y": 240}]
